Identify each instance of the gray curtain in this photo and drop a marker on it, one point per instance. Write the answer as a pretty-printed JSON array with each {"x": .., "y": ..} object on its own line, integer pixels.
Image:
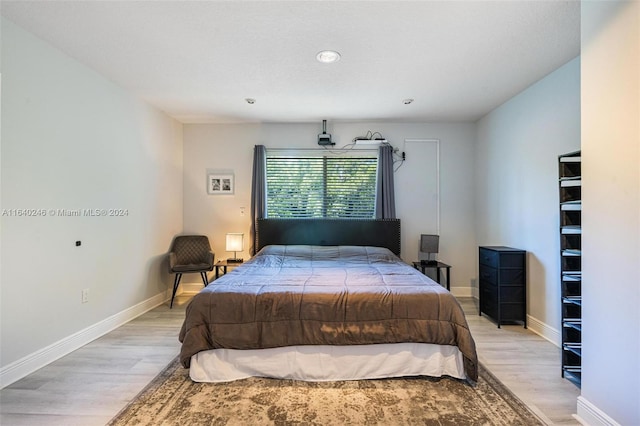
[
  {"x": 258, "y": 192},
  {"x": 385, "y": 196}
]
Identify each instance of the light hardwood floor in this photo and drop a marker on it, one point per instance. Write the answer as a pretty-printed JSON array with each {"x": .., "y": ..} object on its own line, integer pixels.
[
  {"x": 526, "y": 363},
  {"x": 91, "y": 385}
]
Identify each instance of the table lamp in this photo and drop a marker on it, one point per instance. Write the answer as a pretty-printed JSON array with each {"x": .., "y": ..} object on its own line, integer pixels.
[
  {"x": 428, "y": 252},
  {"x": 235, "y": 243}
]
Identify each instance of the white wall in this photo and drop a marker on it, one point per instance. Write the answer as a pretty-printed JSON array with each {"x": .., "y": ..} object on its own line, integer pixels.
[
  {"x": 73, "y": 140},
  {"x": 611, "y": 212},
  {"x": 517, "y": 183},
  {"x": 231, "y": 147}
]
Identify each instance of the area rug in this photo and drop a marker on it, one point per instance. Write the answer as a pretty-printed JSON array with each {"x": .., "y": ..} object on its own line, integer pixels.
[{"x": 173, "y": 399}]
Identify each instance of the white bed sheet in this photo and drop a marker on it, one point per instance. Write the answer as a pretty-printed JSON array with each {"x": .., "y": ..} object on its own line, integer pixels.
[{"x": 329, "y": 363}]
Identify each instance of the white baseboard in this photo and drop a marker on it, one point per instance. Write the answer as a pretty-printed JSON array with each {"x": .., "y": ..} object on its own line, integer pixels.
[
  {"x": 590, "y": 415},
  {"x": 32, "y": 362},
  {"x": 461, "y": 291},
  {"x": 545, "y": 331}
]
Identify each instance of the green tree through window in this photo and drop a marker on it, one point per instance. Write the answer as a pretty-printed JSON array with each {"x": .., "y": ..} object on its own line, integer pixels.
[{"x": 316, "y": 187}]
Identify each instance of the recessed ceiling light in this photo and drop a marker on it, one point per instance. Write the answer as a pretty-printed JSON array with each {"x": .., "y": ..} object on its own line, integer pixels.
[
  {"x": 328, "y": 56},
  {"x": 250, "y": 101},
  {"x": 407, "y": 101}
]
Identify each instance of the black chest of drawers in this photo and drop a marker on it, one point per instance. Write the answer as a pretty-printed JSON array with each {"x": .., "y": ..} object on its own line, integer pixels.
[{"x": 503, "y": 284}]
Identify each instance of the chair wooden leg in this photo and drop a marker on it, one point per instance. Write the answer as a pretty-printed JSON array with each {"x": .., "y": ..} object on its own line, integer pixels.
[
  {"x": 205, "y": 280},
  {"x": 176, "y": 282}
]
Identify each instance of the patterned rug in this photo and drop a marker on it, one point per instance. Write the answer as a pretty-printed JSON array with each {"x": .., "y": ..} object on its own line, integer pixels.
[{"x": 173, "y": 399}]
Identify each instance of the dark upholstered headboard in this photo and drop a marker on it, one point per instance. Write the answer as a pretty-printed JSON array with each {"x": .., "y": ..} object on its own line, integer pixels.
[{"x": 330, "y": 232}]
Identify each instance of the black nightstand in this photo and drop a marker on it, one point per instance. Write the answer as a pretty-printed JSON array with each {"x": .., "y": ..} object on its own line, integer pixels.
[
  {"x": 224, "y": 264},
  {"x": 437, "y": 266}
]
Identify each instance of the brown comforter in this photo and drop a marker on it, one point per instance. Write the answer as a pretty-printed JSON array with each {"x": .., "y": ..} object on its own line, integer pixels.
[{"x": 313, "y": 295}]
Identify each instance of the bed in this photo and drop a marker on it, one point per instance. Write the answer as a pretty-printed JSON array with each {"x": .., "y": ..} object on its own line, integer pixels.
[{"x": 326, "y": 300}]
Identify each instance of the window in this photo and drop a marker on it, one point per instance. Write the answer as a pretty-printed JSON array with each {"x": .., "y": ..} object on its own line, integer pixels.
[{"x": 321, "y": 186}]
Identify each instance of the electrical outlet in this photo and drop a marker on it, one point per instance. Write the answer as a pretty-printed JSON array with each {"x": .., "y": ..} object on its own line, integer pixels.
[{"x": 85, "y": 295}]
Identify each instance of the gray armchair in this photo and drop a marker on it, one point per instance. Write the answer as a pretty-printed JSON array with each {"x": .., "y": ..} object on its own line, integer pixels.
[{"x": 190, "y": 253}]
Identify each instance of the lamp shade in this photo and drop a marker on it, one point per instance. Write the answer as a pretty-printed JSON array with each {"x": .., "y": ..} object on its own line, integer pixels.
[
  {"x": 235, "y": 242},
  {"x": 429, "y": 245}
]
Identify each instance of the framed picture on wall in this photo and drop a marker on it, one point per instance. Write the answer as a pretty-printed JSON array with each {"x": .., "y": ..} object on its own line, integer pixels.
[{"x": 220, "y": 183}]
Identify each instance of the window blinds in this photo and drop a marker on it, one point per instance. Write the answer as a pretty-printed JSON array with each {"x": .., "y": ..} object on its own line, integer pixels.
[{"x": 321, "y": 186}]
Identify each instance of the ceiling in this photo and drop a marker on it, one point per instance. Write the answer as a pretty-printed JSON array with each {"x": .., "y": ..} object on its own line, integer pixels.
[{"x": 199, "y": 60}]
